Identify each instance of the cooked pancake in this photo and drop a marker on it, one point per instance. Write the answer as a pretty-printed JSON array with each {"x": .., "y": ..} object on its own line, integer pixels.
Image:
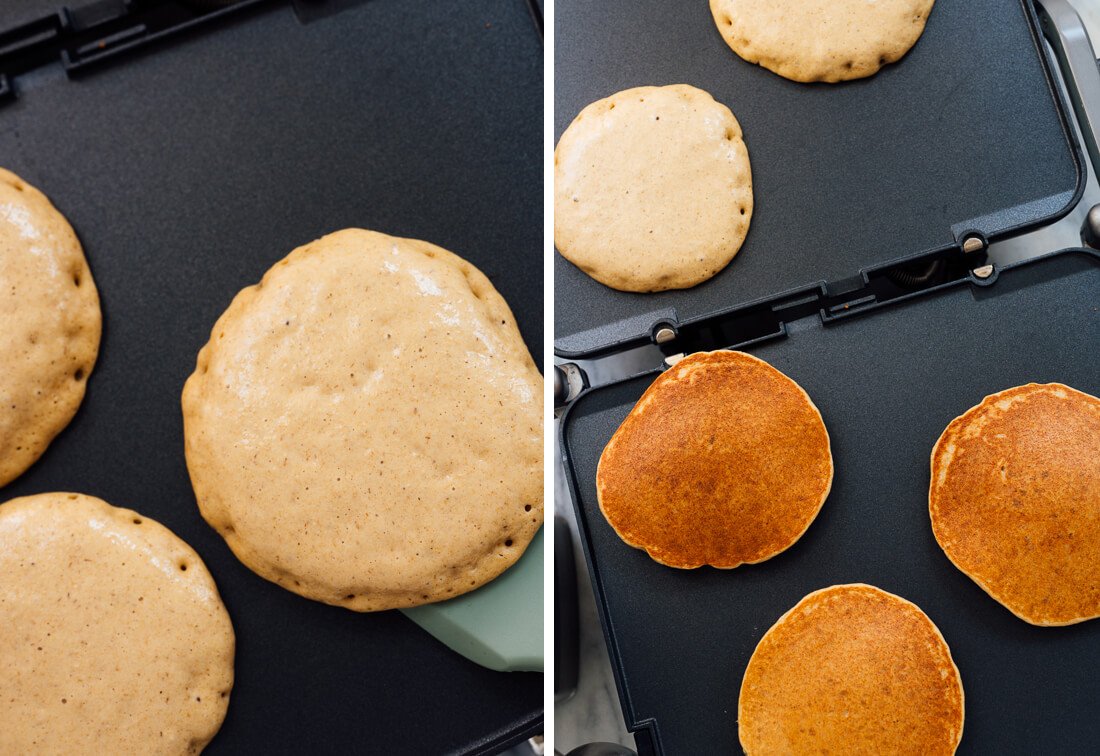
[
  {"x": 724, "y": 460},
  {"x": 364, "y": 427},
  {"x": 821, "y": 40},
  {"x": 114, "y": 637},
  {"x": 51, "y": 324},
  {"x": 652, "y": 189},
  {"x": 1015, "y": 500},
  {"x": 851, "y": 669}
]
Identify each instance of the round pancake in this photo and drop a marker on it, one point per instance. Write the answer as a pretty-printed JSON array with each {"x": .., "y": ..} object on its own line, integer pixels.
[
  {"x": 115, "y": 639},
  {"x": 1015, "y": 500},
  {"x": 50, "y": 311},
  {"x": 851, "y": 669},
  {"x": 652, "y": 189},
  {"x": 821, "y": 40},
  {"x": 723, "y": 461},
  {"x": 364, "y": 427}
]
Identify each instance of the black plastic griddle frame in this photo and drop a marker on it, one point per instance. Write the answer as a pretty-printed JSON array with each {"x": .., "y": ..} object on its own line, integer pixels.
[
  {"x": 216, "y": 141},
  {"x": 887, "y": 384},
  {"x": 84, "y": 37},
  {"x": 782, "y": 246}
]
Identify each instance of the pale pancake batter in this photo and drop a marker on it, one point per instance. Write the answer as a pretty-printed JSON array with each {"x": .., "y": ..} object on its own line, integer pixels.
[
  {"x": 49, "y": 309},
  {"x": 821, "y": 40},
  {"x": 114, "y": 637},
  {"x": 364, "y": 427},
  {"x": 652, "y": 189}
]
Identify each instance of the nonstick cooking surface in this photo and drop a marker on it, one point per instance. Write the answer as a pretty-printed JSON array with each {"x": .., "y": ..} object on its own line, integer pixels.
[
  {"x": 887, "y": 385},
  {"x": 187, "y": 171},
  {"x": 964, "y": 133}
]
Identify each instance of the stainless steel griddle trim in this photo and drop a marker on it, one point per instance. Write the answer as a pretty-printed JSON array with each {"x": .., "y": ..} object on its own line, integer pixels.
[{"x": 1069, "y": 38}]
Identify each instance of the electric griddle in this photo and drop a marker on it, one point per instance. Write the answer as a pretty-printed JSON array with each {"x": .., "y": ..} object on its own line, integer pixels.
[
  {"x": 193, "y": 146},
  {"x": 866, "y": 278}
]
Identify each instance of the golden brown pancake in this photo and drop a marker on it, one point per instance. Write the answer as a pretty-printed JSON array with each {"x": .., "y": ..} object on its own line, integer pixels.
[
  {"x": 724, "y": 460},
  {"x": 113, "y": 638},
  {"x": 1015, "y": 500},
  {"x": 49, "y": 324},
  {"x": 851, "y": 669}
]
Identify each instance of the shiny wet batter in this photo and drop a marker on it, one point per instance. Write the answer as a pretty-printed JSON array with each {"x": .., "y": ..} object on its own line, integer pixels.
[
  {"x": 49, "y": 311},
  {"x": 364, "y": 427},
  {"x": 113, "y": 639}
]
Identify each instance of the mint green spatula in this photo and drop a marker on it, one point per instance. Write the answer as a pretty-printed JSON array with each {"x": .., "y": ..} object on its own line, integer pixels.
[{"x": 499, "y": 625}]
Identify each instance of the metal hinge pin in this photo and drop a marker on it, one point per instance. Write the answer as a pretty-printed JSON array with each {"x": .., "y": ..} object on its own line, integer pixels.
[
  {"x": 972, "y": 245},
  {"x": 664, "y": 335}
]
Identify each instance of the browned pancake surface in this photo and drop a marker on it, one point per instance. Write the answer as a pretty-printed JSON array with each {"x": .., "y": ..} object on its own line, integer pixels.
[
  {"x": 724, "y": 460},
  {"x": 851, "y": 669},
  {"x": 1015, "y": 500}
]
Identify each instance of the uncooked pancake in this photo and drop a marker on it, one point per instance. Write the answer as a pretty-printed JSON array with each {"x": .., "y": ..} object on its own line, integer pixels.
[
  {"x": 723, "y": 461},
  {"x": 652, "y": 189},
  {"x": 851, "y": 669},
  {"x": 364, "y": 427},
  {"x": 114, "y": 637},
  {"x": 821, "y": 40},
  {"x": 1015, "y": 500},
  {"x": 51, "y": 324}
]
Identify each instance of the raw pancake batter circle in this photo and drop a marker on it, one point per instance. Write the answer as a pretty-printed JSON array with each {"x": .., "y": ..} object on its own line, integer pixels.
[
  {"x": 114, "y": 637},
  {"x": 821, "y": 40},
  {"x": 364, "y": 427},
  {"x": 51, "y": 324},
  {"x": 652, "y": 189},
  {"x": 1015, "y": 500}
]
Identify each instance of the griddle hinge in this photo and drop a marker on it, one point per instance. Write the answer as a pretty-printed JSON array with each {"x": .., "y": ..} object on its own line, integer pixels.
[
  {"x": 569, "y": 381},
  {"x": 865, "y": 292}
]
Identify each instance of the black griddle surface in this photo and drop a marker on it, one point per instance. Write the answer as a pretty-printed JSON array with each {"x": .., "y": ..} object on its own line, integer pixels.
[
  {"x": 887, "y": 385},
  {"x": 963, "y": 132},
  {"x": 187, "y": 172},
  {"x": 16, "y": 12}
]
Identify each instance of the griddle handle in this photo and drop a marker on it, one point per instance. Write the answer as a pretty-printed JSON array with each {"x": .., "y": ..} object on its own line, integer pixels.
[
  {"x": 1069, "y": 38},
  {"x": 567, "y": 639},
  {"x": 1090, "y": 229},
  {"x": 561, "y": 383},
  {"x": 569, "y": 381}
]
